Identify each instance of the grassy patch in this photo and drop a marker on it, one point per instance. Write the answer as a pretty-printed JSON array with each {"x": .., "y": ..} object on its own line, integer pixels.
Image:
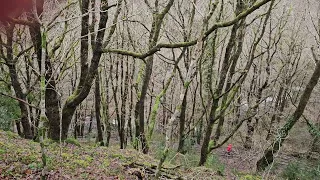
[
  {"x": 213, "y": 162},
  {"x": 73, "y": 141},
  {"x": 86, "y": 161},
  {"x": 11, "y": 135},
  {"x": 250, "y": 177}
]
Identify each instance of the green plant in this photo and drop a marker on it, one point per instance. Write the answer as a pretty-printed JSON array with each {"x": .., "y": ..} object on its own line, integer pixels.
[
  {"x": 81, "y": 163},
  {"x": 11, "y": 135},
  {"x": 250, "y": 177},
  {"x": 302, "y": 171},
  {"x": 189, "y": 144},
  {"x": 84, "y": 175},
  {"x": 9, "y": 110},
  {"x": 73, "y": 141},
  {"x": 213, "y": 162},
  {"x": 35, "y": 166}
]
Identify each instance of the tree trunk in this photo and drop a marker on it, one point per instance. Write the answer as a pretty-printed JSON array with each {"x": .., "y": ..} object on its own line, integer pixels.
[
  {"x": 27, "y": 132},
  {"x": 19, "y": 128},
  {"x": 153, "y": 39},
  {"x": 139, "y": 111},
  {"x": 238, "y": 32},
  {"x": 52, "y": 102},
  {"x": 206, "y": 140},
  {"x": 116, "y": 102},
  {"x": 131, "y": 103},
  {"x": 75, "y": 130},
  {"x": 223, "y": 74},
  {"x": 182, "y": 123},
  {"x": 84, "y": 122},
  {"x": 97, "y": 107},
  {"x": 192, "y": 71}
]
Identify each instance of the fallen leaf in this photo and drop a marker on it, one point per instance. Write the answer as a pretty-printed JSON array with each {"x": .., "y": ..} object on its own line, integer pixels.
[{"x": 28, "y": 171}]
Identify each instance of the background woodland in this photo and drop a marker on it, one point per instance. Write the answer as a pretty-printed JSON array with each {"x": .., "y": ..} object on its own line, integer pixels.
[{"x": 166, "y": 77}]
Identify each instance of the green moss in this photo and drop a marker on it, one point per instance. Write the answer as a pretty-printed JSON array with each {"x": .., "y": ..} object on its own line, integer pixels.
[
  {"x": 120, "y": 156},
  {"x": 105, "y": 163},
  {"x": 29, "y": 158},
  {"x": 186, "y": 84},
  {"x": 73, "y": 141},
  {"x": 214, "y": 163},
  {"x": 81, "y": 163},
  {"x": 211, "y": 144},
  {"x": 66, "y": 156},
  {"x": 250, "y": 177},
  {"x": 71, "y": 97},
  {"x": 84, "y": 175},
  {"x": 51, "y": 163},
  {"x": 48, "y": 142},
  {"x": 88, "y": 159},
  {"x": 12, "y": 135},
  {"x": 3, "y": 151},
  {"x": 34, "y": 166}
]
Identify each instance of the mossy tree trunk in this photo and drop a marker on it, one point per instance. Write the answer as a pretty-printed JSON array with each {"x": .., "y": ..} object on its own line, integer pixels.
[
  {"x": 182, "y": 123},
  {"x": 52, "y": 103},
  {"x": 161, "y": 95},
  {"x": 215, "y": 103},
  {"x": 129, "y": 132},
  {"x": 124, "y": 96},
  {"x": 43, "y": 115},
  {"x": 97, "y": 109},
  {"x": 105, "y": 107},
  {"x": 214, "y": 94},
  {"x": 235, "y": 44},
  {"x": 207, "y": 147},
  {"x": 192, "y": 71},
  {"x": 153, "y": 39}
]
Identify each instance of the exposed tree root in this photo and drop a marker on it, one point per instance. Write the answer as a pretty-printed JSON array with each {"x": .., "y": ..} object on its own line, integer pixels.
[{"x": 142, "y": 170}]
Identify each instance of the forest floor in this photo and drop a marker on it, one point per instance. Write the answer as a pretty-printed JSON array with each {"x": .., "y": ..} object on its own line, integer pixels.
[{"x": 21, "y": 159}]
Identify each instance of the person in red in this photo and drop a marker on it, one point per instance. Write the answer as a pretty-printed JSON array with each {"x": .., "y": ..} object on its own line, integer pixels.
[{"x": 229, "y": 149}]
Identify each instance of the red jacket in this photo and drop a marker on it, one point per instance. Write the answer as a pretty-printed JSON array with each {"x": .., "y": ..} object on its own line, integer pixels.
[{"x": 229, "y": 148}]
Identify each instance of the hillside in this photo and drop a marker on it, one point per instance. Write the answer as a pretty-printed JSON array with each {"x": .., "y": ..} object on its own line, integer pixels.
[{"x": 21, "y": 159}]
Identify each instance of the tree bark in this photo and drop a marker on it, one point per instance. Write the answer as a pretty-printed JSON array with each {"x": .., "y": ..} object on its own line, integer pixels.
[
  {"x": 27, "y": 132},
  {"x": 182, "y": 123},
  {"x": 97, "y": 107},
  {"x": 52, "y": 101}
]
